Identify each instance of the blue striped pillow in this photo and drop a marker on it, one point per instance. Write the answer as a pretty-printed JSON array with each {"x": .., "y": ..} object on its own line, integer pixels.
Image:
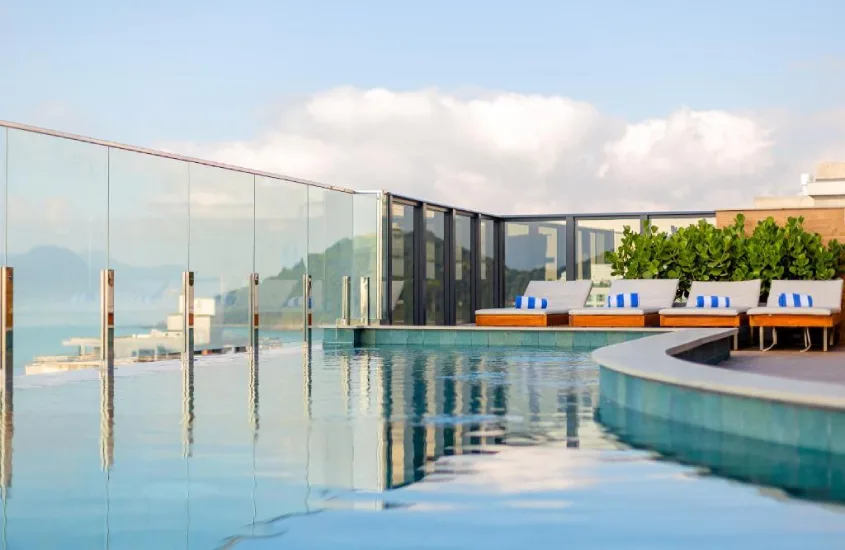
[
  {"x": 630, "y": 299},
  {"x": 712, "y": 301},
  {"x": 530, "y": 302},
  {"x": 793, "y": 299}
]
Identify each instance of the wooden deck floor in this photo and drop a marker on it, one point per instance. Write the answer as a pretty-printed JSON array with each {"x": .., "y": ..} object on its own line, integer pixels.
[{"x": 813, "y": 366}]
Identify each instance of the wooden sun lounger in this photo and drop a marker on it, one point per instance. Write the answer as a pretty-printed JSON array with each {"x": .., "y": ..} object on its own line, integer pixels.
[
  {"x": 640, "y": 320},
  {"x": 825, "y": 312},
  {"x": 654, "y": 294},
  {"x": 743, "y": 296},
  {"x": 538, "y": 319},
  {"x": 561, "y": 296}
]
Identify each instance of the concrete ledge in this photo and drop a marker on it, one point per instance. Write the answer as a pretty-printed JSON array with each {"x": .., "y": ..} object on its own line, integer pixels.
[{"x": 656, "y": 377}]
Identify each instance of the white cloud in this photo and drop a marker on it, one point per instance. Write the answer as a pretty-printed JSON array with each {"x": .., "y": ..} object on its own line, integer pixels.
[{"x": 515, "y": 153}]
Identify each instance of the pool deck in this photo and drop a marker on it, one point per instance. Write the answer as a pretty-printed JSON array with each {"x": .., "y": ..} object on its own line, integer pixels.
[{"x": 811, "y": 366}]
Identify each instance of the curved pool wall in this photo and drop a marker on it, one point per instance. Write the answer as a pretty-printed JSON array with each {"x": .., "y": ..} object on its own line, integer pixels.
[
  {"x": 663, "y": 377},
  {"x": 801, "y": 473}
]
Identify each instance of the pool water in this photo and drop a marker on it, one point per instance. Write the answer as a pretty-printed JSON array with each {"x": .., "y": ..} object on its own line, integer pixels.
[{"x": 371, "y": 448}]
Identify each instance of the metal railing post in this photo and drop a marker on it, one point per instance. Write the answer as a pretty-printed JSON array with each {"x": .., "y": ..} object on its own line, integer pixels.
[
  {"x": 345, "y": 300},
  {"x": 188, "y": 318},
  {"x": 7, "y": 366},
  {"x": 107, "y": 319},
  {"x": 365, "y": 301},
  {"x": 306, "y": 308},
  {"x": 7, "y": 325},
  {"x": 253, "y": 317}
]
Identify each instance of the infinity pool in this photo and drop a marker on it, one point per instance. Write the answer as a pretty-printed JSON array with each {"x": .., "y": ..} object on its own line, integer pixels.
[{"x": 377, "y": 448}]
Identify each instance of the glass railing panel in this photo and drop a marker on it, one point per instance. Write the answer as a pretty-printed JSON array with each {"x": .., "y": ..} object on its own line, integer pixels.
[
  {"x": 671, "y": 225},
  {"x": 3, "y": 142},
  {"x": 148, "y": 251},
  {"x": 534, "y": 251},
  {"x": 435, "y": 264},
  {"x": 222, "y": 204},
  {"x": 57, "y": 193},
  {"x": 594, "y": 239},
  {"x": 401, "y": 296},
  {"x": 487, "y": 263},
  {"x": 463, "y": 269},
  {"x": 281, "y": 248},
  {"x": 330, "y": 232},
  {"x": 366, "y": 248}
]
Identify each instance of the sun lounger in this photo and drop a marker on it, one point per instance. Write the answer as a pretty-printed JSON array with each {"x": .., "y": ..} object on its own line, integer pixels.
[
  {"x": 653, "y": 295},
  {"x": 743, "y": 296},
  {"x": 560, "y": 295},
  {"x": 824, "y": 312}
]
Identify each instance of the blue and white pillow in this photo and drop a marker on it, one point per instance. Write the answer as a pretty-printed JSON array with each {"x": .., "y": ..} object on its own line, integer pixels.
[
  {"x": 793, "y": 299},
  {"x": 530, "y": 302},
  {"x": 630, "y": 299},
  {"x": 296, "y": 301},
  {"x": 712, "y": 301}
]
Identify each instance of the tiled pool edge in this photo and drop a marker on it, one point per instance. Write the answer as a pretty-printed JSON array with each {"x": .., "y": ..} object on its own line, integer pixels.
[
  {"x": 658, "y": 379},
  {"x": 565, "y": 339}
]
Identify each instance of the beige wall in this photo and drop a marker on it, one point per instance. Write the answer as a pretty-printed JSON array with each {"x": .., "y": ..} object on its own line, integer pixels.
[{"x": 827, "y": 222}]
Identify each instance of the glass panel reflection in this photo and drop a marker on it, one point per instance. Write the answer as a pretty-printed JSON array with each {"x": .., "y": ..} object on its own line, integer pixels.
[
  {"x": 463, "y": 269},
  {"x": 221, "y": 255},
  {"x": 148, "y": 250},
  {"x": 215, "y": 460},
  {"x": 3, "y": 194},
  {"x": 487, "y": 265},
  {"x": 534, "y": 251},
  {"x": 435, "y": 223},
  {"x": 594, "y": 239},
  {"x": 281, "y": 242},
  {"x": 366, "y": 213},
  {"x": 57, "y": 242},
  {"x": 402, "y": 269},
  {"x": 329, "y": 250}
]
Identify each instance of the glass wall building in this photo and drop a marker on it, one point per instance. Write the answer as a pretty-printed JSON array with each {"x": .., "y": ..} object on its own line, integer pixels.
[{"x": 72, "y": 207}]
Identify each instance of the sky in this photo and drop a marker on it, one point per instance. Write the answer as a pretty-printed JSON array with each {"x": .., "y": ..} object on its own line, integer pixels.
[{"x": 506, "y": 107}]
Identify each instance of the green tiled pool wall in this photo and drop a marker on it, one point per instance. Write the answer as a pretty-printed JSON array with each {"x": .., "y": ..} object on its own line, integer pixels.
[
  {"x": 812, "y": 473},
  {"x": 571, "y": 340},
  {"x": 770, "y": 421}
]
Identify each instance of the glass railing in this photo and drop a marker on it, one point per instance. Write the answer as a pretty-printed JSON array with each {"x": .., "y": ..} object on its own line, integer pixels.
[{"x": 73, "y": 207}]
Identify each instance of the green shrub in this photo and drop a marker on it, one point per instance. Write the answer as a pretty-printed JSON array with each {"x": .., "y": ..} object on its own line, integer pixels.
[{"x": 703, "y": 252}]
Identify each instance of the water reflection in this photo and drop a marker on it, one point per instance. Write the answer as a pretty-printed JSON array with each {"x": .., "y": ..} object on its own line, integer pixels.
[
  {"x": 7, "y": 431},
  {"x": 333, "y": 428}
]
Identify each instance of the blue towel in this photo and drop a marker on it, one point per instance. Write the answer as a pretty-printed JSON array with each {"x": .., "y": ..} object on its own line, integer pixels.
[
  {"x": 631, "y": 299},
  {"x": 530, "y": 302},
  {"x": 795, "y": 300},
  {"x": 712, "y": 301}
]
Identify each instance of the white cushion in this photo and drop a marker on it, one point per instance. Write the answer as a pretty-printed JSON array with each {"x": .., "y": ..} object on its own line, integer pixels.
[
  {"x": 654, "y": 294},
  {"x": 820, "y": 311},
  {"x": 702, "y": 311},
  {"x": 743, "y": 294},
  {"x": 826, "y": 294},
  {"x": 560, "y": 294},
  {"x": 611, "y": 311}
]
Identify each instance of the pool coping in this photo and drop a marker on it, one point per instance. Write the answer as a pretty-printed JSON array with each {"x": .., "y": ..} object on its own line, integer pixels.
[{"x": 655, "y": 358}]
